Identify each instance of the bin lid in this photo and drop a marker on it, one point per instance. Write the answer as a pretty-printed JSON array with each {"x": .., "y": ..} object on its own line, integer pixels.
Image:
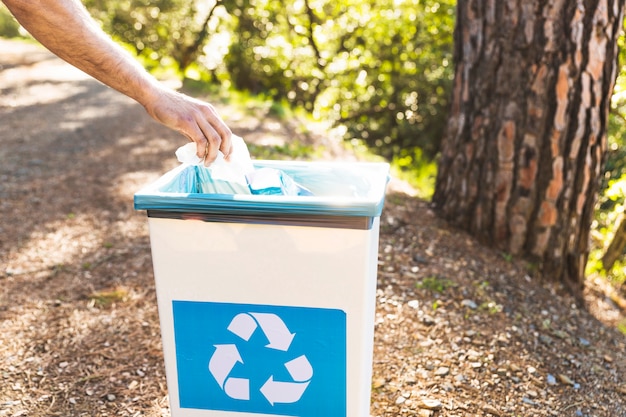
[{"x": 338, "y": 188}]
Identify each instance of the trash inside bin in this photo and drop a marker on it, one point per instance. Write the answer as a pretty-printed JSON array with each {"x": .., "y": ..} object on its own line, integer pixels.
[{"x": 267, "y": 301}]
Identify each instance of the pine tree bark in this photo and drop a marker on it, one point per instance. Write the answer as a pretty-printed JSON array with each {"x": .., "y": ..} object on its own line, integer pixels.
[{"x": 526, "y": 136}]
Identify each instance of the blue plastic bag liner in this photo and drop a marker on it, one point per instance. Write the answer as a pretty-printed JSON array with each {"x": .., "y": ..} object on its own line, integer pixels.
[
  {"x": 337, "y": 188},
  {"x": 274, "y": 182}
]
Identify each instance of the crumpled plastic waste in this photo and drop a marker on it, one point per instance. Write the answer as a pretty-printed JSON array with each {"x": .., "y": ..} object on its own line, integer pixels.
[
  {"x": 272, "y": 181},
  {"x": 235, "y": 176}
]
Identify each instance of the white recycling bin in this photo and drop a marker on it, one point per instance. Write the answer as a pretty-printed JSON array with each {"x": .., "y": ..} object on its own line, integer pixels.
[{"x": 267, "y": 302}]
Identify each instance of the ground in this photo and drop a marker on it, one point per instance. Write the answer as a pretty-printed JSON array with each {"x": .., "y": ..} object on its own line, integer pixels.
[{"x": 460, "y": 329}]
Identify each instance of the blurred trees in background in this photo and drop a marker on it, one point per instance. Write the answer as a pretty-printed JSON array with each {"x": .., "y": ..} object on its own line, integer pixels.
[{"x": 380, "y": 69}]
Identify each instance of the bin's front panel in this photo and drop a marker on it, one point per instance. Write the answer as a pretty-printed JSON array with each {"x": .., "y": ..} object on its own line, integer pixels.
[{"x": 265, "y": 320}]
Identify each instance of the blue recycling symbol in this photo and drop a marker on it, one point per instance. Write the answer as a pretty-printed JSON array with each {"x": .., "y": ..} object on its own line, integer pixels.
[
  {"x": 226, "y": 356},
  {"x": 261, "y": 359}
]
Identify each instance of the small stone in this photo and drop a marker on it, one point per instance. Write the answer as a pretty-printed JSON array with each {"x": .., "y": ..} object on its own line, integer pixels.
[
  {"x": 428, "y": 321},
  {"x": 430, "y": 404},
  {"x": 469, "y": 304},
  {"x": 420, "y": 259},
  {"x": 410, "y": 380},
  {"x": 491, "y": 410},
  {"x": 550, "y": 379},
  {"x": 473, "y": 356},
  {"x": 566, "y": 379},
  {"x": 110, "y": 397},
  {"x": 378, "y": 383},
  {"x": 442, "y": 371},
  {"x": 400, "y": 400},
  {"x": 528, "y": 401},
  {"x": 545, "y": 339}
]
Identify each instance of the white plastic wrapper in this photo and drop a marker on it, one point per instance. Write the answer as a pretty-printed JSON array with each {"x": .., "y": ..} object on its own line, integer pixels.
[{"x": 222, "y": 176}]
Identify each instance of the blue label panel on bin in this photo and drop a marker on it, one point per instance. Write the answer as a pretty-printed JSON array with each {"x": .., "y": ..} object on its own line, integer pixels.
[{"x": 272, "y": 360}]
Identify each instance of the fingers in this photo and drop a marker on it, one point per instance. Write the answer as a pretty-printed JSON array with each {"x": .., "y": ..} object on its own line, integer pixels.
[
  {"x": 217, "y": 126},
  {"x": 195, "y": 119},
  {"x": 227, "y": 146},
  {"x": 213, "y": 140},
  {"x": 209, "y": 132}
]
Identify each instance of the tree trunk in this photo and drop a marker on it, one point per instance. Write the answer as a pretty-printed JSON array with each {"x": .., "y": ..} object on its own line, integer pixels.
[{"x": 526, "y": 136}]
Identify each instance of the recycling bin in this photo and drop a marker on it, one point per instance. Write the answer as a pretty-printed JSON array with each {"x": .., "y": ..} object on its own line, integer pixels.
[{"x": 267, "y": 302}]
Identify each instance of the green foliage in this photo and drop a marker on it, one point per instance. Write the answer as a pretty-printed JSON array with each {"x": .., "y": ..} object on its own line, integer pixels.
[
  {"x": 391, "y": 79},
  {"x": 612, "y": 197},
  {"x": 417, "y": 169},
  {"x": 9, "y": 28},
  {"x": 168, "y": 34},
  {"x": 107, "y": 298},
  {"x": 382, "y": 70},
  {"x": 290, "y": 151},
  {"x": 491, "y": 307},
  {"x": 435, "y": 284}
]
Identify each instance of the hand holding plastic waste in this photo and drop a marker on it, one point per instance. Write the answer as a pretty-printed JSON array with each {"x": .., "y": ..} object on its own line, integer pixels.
[
  {"x": 237, "y": 175},
  {"x": 222, "y": 176}
]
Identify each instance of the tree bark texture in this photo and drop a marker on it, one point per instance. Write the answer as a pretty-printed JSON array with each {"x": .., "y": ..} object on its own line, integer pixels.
[{"x": 526, "y": 136}]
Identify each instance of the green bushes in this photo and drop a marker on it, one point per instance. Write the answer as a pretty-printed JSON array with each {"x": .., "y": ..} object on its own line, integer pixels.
[
  {"x": 9, "y": 28},
  {"x": 381, "y": 70}
]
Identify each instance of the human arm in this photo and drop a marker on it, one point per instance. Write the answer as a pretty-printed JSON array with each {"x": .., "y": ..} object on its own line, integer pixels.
[{"x": 67, "y": 29}]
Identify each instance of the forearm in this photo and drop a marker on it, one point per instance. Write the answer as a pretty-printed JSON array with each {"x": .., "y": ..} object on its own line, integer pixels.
[{"x": 66, "y": 29}]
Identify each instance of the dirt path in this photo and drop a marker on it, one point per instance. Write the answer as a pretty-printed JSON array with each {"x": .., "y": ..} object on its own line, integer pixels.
[{"x": 460, "y": 331}]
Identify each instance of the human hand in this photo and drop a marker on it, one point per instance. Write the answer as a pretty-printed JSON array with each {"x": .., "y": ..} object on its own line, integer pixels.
[{"x": 195, "y": 119}]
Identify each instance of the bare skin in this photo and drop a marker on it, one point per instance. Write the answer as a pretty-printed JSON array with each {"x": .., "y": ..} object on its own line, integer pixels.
[{"x": 66, "y": 29}]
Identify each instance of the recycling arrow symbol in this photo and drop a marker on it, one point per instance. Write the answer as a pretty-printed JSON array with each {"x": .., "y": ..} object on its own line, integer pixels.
[{"x": 226, "y": 357}]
